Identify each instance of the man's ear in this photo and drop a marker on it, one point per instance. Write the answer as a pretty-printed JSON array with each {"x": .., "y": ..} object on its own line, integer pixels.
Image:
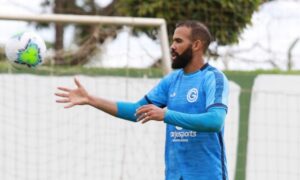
[{"x": 197, "y": 45}]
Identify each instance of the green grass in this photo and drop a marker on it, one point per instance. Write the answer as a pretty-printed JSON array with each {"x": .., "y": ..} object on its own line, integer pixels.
[
  {"x": 5, "y": 67},
  {"x": 74, "y": 70}
]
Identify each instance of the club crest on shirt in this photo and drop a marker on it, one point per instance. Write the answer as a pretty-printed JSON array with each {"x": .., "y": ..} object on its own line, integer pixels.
[{"x": 192, "y": 95}]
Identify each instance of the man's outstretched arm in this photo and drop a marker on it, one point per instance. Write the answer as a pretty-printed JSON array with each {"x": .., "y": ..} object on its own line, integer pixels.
[{"x": 79, "y": 96}]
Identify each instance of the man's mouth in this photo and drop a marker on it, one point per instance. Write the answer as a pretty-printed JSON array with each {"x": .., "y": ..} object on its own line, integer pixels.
[{"x": 174, "y": 55}]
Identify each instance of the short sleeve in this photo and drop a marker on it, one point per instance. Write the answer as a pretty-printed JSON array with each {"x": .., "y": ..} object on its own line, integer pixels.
[
  {"x": 216, "y": 89},
  {"x": 159, "y": 94}
]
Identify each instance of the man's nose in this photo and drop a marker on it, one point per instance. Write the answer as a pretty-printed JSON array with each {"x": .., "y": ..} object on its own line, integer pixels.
[{"x": 172, "y": 47}]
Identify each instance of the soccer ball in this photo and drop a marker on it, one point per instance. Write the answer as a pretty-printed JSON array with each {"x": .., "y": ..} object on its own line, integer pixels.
[{"x": 25, "y": 49}]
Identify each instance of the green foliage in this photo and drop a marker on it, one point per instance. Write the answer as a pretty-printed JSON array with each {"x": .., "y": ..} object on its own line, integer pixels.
[{"x": 225, "y": 18}]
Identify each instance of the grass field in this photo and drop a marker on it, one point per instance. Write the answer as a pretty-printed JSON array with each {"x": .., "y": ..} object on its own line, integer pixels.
[{"x": 73, "y": 70}]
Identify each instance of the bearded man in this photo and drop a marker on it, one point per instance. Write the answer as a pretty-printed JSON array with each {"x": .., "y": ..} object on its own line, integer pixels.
[{"x": 191, "y": 100}]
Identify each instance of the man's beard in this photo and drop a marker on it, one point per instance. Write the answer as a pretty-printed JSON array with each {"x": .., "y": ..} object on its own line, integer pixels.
[{"x": 181, "y": 61}]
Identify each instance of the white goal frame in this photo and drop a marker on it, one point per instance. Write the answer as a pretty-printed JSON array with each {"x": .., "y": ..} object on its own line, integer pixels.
[{"x": 112, "y": 20}]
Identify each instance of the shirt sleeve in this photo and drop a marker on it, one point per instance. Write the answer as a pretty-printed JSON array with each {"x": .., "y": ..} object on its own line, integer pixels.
[
  {"x": 216, "y": 90},
  {"x": 127, "y": 110},
  {"x": 211, "y": 121},
  {"x": 159, "y": 94}
]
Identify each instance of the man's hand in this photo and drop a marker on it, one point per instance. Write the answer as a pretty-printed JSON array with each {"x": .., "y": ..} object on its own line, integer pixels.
[
  {"x": 78, "y": 96},
  {"x": 150, "y": 112}
]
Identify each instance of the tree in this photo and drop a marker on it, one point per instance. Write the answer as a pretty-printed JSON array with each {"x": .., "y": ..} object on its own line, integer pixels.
[
  {"x": 225, "y": 18},
  {"x": 91, "y": 34}
]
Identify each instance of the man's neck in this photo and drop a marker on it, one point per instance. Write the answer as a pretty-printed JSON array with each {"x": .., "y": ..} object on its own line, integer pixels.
[{"x": 194, "y": 65}]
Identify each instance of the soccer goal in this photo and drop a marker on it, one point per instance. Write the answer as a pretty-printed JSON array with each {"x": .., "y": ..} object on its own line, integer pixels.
[{"x": 39, "y": 139}]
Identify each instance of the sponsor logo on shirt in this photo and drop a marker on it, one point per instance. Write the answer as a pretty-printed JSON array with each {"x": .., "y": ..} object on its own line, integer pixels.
[
  {"x": 182, "y": 136},
  {"x": 178, "y": 128},
  {"x": 192, "y": 95}
]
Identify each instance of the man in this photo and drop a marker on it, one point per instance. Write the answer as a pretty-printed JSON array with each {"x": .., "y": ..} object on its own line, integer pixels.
[{"x": 195, "y": 97}]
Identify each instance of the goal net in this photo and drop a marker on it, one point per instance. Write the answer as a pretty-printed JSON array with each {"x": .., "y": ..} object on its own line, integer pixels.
[
  {"x": 42, "y": 140},
  {"x": 274, "y": 141}
]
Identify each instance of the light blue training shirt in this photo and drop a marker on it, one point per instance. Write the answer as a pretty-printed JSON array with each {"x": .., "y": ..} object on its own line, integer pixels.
[{"x": 191, "y": 154}]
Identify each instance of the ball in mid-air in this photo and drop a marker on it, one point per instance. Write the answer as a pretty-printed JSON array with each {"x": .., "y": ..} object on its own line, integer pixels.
[{"x": 25, "y": 49}]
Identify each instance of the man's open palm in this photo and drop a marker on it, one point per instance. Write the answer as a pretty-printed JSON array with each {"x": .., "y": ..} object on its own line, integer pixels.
[{"x": 78, "y": 96}]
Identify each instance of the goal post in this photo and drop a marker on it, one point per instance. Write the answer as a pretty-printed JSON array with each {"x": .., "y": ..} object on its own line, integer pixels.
[{"x": 110, "y": 20}]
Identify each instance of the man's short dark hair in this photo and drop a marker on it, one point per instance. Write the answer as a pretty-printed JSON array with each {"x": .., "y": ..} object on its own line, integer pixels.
[{"x": 198, "y": 31}]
